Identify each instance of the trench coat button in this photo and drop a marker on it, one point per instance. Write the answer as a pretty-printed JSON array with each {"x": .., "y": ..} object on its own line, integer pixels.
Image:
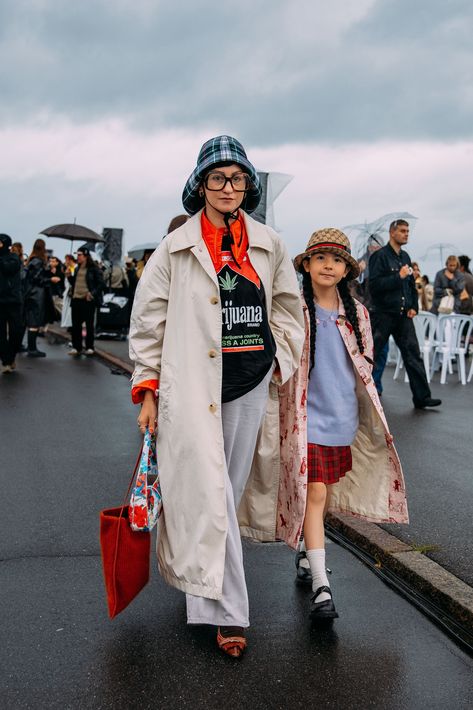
[
  {"x": 213, "y": 353},
  {"x": 214, "y": 300},
  {"x": 212, "y": 407}
]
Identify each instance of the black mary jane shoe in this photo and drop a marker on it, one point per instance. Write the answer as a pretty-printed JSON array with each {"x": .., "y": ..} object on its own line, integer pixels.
[
  {"x": 303, "y": 575},
  {"x": 322, "y": 611}
]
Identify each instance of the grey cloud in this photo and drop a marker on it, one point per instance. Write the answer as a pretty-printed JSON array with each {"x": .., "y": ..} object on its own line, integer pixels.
[{"x": 401, "y": 72}]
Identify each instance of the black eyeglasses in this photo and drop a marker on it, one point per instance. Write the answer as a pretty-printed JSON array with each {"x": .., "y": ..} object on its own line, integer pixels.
[{"x": 217, "y": 181}]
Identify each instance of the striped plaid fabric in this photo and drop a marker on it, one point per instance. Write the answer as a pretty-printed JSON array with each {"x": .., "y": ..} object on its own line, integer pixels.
[
  {"x": 327, "y": 464},
  {"x": 214, "y": 151}
]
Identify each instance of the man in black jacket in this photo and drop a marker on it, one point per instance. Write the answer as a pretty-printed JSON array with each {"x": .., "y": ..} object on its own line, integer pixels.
[
  {"x": 11, "y": 324},
  {"x": 394, "y": 304}
]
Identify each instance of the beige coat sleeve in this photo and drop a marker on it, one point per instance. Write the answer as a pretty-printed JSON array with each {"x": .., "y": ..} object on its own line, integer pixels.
[
  {"x": 287, "y": 318},
  {"x": 148, "y": 317}
]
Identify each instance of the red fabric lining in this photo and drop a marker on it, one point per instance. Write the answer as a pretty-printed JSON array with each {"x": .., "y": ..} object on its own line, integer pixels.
[{"x": 138, "y": 392}]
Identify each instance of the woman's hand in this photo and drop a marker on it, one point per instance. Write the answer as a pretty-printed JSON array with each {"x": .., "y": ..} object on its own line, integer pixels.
[{"x": 148, "y": 413}]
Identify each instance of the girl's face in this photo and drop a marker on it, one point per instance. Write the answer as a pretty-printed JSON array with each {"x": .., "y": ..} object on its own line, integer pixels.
[{"x": 326, "y": 269}]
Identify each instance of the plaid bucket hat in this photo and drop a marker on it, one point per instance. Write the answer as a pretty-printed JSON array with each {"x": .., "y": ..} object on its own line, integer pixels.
[
  {"x": 222, "y": 149},
  {"x": 334, "y": 241}
]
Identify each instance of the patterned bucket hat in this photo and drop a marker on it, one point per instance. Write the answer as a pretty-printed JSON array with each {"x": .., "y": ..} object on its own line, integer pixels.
[
  {"x": 332, "y": 240},
  {"x": 218, "y": 150}
]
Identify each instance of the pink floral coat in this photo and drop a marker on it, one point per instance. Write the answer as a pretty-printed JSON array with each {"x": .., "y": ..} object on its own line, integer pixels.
[{"x": 374, "y": 489}]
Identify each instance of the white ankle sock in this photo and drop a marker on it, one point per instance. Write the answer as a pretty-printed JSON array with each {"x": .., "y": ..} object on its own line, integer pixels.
[{"x": 319, "y": 576}]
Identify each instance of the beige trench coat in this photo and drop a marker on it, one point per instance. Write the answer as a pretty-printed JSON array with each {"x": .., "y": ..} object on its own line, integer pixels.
[
  {"x": 374, "y": 489},
  {"x": 175, "y": 336}
]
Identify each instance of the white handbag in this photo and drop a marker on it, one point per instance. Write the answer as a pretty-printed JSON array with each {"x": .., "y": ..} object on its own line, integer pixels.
[{"x": 447, "y": 303}]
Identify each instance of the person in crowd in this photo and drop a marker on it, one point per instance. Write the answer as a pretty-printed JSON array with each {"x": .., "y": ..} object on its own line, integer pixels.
[
  {"x": 86, "y": 293},
  {"x": 177, "y": 222},
  {"x": 416, "y": 271},
  {"x": 466, "y": 296},
  {"x": 142, "y": 262},
  {"x": 70, "y": 265},
  {"x": 330, "y": 406},
  {"x": 11, "y": 304},
  {"x": 17, "y": 248},
  {"x": 395, "y": 304},
  {"x": 56, "y": 270},
  {"x": 116, "y": 279},
  {"x": 216, "y": 317},
  {"x": 39, "y": 306},
  {"x": 130, "y": 267},
  {"x": 360, "y": 290},
  {"x": 419, "y": 284},
  {"x": 428, "y": 292},
  {"x": 449, "y": 279}
]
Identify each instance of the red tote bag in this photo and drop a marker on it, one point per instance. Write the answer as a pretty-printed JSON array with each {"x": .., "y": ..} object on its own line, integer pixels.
[{"x": 125, "y": 556}]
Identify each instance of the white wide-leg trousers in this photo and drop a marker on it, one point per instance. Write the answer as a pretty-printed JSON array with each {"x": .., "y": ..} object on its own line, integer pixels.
[{"x": 241, "y": 420}]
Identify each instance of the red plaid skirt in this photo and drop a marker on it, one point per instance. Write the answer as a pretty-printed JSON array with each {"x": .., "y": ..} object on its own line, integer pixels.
[{"x": 327, "y": 464}]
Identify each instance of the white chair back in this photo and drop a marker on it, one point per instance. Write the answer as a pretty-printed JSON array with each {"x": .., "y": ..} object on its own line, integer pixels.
[
  {"x": 425, "y": 324},
  {"x": 453, "y": 335},
  {"x": 452, "y": 329}
]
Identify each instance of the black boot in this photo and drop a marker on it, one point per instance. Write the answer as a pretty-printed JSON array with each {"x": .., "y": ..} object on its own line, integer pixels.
[{"x": 32, "y": 349}]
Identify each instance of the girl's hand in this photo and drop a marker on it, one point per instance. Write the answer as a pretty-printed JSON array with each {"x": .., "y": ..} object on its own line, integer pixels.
[{"x": 148, "y": 413}]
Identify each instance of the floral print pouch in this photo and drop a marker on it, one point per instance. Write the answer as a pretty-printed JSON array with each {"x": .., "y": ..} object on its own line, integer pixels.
[{"x": 146, "y": 502}]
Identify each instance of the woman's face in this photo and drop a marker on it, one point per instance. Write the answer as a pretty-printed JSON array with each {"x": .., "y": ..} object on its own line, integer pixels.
[
  {"x": 415, "y": 271},
  {"x": 227, "y": 199},
  {"x": 452, "y": 265}
]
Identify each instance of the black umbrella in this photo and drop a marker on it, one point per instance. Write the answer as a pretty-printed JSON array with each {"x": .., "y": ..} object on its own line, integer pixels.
[{"x": 73, "y": 232}]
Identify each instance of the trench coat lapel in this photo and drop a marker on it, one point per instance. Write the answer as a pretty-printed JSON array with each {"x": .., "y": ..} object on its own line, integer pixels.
[{"x": 190, "y": 237}]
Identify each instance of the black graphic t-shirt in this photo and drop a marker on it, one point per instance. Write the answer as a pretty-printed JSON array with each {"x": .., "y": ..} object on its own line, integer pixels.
[{"x": 248, "y": 345}]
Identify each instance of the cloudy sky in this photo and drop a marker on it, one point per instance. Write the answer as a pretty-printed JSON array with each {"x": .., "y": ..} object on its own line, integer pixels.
[{"x": 367, "y": 103}]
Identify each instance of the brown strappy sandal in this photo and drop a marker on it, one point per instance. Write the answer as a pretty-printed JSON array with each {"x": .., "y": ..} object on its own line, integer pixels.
[{"x": 231, "y": 640}]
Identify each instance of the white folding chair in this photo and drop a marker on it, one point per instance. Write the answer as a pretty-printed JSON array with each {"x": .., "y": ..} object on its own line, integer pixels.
[
  {"x": 453, "y": 335},
  {"x": 425, "y": 324},
  {"x": 470, "y": 374}
]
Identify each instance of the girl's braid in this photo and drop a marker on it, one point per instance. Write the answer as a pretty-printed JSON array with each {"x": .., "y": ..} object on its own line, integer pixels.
[
  {"x": 309, "y": 299},
  {"x": 350, "y": 310}
]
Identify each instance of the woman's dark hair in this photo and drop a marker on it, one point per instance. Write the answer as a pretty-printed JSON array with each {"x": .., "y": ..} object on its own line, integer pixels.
[
  {"x": 425, "y": 279},
  {"x": 17, "y": 248},
  {"x": 39, "y": 251},
  {"x": 465, "y": 262},
  {"x": 177, "y": 222},
  {"x": 350, "y": 310},
  {"x": 90, "y": 262}
]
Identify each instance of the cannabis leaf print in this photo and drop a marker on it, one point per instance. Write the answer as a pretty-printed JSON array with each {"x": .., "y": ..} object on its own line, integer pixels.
[{"x": 229, "y": 283}]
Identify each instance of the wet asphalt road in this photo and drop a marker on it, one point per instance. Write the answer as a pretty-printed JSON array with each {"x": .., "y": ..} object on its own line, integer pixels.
[
  {"x": 435, "y": 449},
  {"x": 69, "y": 438}
]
